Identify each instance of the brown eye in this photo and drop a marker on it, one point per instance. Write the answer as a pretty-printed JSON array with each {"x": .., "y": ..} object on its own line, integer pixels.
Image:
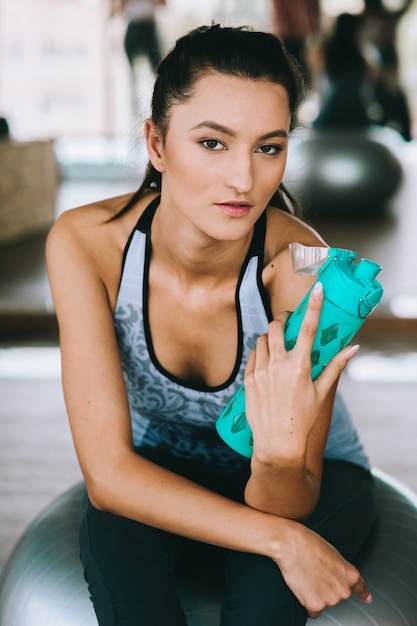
[
  {"x": 212, "y": 144},
  {"x": 269, "y": 149}
]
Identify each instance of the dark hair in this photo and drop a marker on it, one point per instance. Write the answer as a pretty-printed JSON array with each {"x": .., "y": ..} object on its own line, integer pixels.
[{"x": 237, "y": 51}]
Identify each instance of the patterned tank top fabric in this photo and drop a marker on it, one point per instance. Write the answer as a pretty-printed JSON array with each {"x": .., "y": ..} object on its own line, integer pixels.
[{"x": 172, "y": 415}]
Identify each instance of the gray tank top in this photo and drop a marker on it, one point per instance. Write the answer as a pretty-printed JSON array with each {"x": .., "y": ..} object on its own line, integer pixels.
[{"x": 179, "y": 418}]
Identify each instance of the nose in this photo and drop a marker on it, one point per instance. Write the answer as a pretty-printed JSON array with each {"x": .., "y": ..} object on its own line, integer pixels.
[{"x": 239, "y": 174}]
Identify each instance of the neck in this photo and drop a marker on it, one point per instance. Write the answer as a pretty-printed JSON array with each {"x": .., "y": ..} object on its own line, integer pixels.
[{"x": 191, "y": 254}]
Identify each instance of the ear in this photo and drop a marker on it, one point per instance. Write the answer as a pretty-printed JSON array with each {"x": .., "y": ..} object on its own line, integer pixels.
[{"x": 154, "y": 145}]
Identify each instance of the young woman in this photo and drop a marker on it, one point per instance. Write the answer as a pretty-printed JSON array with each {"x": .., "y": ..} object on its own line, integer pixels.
[{"x": 167, "y": 300}]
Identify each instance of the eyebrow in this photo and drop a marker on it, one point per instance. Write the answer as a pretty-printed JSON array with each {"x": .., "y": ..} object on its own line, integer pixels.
[{"x": 228, "y": 131}]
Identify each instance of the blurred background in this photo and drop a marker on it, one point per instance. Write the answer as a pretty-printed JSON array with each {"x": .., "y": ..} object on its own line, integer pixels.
[{"x": 75, "y": 83}]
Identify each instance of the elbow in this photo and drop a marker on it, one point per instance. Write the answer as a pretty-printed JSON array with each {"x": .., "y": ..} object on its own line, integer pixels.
[
  {"x": 297, "y": 513},
  {"x": 109, "y": 485},
  {"x": 306, "y": 509},
  {"x": 101, "y": 493},
  {"x": 304, "y": 513},
  {"x": 97, "y": 495},
  {"x": 308, "y": 504},
  {"x": 104, "y": 477}
]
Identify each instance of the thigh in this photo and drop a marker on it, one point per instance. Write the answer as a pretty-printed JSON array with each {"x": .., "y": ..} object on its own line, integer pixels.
[
  {"x": 256, "y": 593},
  {"x": 346, "y": 510},
  {"x": 129, "y": 568}
]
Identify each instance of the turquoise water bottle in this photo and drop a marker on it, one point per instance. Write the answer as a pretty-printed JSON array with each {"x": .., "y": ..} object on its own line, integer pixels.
[{"x": 351, "y": 292}]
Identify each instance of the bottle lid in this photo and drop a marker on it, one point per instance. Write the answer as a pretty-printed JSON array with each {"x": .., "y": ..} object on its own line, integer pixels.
[{"x": 351, "y": 286}]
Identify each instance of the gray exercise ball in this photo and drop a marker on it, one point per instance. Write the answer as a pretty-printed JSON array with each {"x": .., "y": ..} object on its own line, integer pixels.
[
  {"x": 43, "y": 584},
  {"x": 343, "y": 174}
]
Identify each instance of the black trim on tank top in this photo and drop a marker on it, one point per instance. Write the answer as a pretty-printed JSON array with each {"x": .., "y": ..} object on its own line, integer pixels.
[
  {"x": 143, "y": 224},
  {"x": 256, "y": 249},
  {"x": 145, "y": 220}
]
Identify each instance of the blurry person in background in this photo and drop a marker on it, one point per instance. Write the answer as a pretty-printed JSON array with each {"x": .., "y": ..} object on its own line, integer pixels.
[
  {"x": 294, "y": 22},
  {"x": 380, "y": 26},
  {"x": 356, "y": 73},
  {"x": 349, "y": 73},
  {"x": 141, "y": 39},
  {"x": 4, "y": 128}
]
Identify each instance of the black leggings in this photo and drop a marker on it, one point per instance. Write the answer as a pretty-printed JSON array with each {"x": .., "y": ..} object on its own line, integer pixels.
[{"x": 130, "y": 567}]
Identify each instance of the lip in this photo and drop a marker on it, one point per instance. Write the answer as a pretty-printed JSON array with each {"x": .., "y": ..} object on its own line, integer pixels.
[{"x": 234, "y": 208}]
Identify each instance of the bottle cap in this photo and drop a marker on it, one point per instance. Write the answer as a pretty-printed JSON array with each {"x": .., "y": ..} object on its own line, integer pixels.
[{"x": 348, "y": 285}]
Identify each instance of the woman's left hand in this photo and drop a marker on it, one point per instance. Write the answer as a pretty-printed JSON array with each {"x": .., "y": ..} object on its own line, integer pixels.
[{"x": 289, "y": 413}]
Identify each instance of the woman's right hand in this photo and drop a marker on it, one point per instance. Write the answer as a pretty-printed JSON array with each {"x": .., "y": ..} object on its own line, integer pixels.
[{"x": 316, "y": 572}]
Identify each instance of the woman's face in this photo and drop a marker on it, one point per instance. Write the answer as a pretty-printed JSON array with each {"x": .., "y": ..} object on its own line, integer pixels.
[{"x": 224, "y": 153}]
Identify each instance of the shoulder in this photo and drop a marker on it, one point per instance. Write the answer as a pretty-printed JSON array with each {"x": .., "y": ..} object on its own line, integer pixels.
[
  {"x": 85, "y": 243},
  {"x": 284, "y": 287},
  {"x": 90, "y": 232},
  {"x": 85, "y": 222},
  {"x": 283, "y": 229}
]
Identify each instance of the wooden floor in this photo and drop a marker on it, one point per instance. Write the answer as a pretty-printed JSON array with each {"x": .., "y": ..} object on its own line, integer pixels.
[{"x": 37, "y": 461}]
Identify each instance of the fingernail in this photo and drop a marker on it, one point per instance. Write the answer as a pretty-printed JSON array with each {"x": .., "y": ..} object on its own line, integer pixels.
[
  {"x": 368, "y": 599},
  {"x": 317, "y": 290},
  {"x": 353, "y": 350}
]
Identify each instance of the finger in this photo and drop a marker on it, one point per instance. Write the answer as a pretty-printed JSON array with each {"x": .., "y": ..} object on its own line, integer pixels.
[
  {"x": 311, "y": 319},
  {"x": 336, "y": 366},
  {"x": 276, "y": 332},
  {"x": 262, "y": 349},
  {"x": 282, "y": 318},
  {"x": 250, "y": 364},
  {"x": 361, "y": 590},
  {"x": 257, "y": 356}
]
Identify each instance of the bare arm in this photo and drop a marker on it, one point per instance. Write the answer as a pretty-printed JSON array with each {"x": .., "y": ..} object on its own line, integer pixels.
[
  {"x": 290, "y": 417},
  {"x": 117, "y": 479},
  {"x": 120, "y": 481},
  {"x": 289, "y": 414}
]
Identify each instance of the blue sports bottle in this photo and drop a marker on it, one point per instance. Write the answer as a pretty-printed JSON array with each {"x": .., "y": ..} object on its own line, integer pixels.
[{"x": 350, "y": 294}]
